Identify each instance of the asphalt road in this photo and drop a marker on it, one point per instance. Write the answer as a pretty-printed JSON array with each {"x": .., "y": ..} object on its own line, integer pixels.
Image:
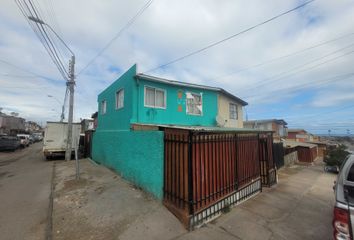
[{"x": 25, "y": 185}]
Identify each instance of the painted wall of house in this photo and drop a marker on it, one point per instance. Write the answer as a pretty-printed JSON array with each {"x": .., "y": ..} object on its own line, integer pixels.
[
  {"x": 224, "y": 112},
  {"x": 117, "y": 119},
  {"x": 137, "y": 156},
  {"x": 175, "y": 111}
]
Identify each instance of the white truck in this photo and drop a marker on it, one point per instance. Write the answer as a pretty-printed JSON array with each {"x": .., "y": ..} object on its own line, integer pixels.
[{"x": 55, "y": 138}]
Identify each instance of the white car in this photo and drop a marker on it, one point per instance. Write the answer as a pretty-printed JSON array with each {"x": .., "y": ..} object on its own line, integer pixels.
[
  {"x": 343, "y": 214},
  {"x": 24, "y": 140}
]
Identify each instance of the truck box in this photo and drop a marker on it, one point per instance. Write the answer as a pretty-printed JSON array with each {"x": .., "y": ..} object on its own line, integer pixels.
[{"x": 55, "y": 138}]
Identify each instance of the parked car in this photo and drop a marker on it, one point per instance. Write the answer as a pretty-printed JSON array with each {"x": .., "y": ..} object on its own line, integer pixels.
[
  {"x": 9, "y": 143},
  {"x": 24, "y": 140},
  {"x": 332, "y": 169},
  {"x": 31, "y": 139},
  {"x": 343, "y": 214}
]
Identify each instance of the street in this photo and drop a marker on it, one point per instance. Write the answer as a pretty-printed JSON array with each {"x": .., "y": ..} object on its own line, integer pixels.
[
  {"x": 104, "y": 206},
  {"x": 25, "y": 186}
]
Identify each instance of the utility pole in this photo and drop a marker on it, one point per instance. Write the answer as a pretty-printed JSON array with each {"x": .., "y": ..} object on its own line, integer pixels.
[{"x": 70, "y": 84}]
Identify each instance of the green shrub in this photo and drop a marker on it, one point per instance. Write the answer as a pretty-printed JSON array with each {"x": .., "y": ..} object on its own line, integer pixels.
[{"x": 336, "y": 156}]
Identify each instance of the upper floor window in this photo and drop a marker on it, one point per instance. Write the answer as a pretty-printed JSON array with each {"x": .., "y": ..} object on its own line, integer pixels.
[
  {"x": 233, "y": 111},
  {"x": 194, "y": 104},
  {"x": 154, "y": 97},
  {"x": 120, "y": 99},
  {"x": 103, "y": 107}
]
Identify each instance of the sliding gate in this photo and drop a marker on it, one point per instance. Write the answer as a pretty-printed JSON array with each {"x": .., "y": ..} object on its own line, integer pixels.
[{"x": 207, "y": 172}]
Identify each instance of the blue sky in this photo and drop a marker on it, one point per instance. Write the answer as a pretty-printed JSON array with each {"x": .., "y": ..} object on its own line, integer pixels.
[{"x": 297, "y": 68}]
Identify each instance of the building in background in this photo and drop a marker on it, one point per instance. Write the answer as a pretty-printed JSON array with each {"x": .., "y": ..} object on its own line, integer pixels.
[
  {"x": 11, "y": 125},
  {"x": 278, "y": 126},
  {"x": 299, "y": 135}
]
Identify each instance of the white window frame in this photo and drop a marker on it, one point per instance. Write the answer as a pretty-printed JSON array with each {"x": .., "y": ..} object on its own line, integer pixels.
[
  {"x": 117, "y": 99},
  {"x": 159, "y": 89},
  {"x": 201, "y": 100},
  {"x": 103, "y": 107},
  {"x": 234, "y": 104}
]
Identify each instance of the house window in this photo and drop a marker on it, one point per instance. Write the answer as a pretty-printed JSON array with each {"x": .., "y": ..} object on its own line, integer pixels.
[
  {"x": 233, "y": 111},
  {"x": 103, "y": 107},
  {"x": 155, "y": 97},
  {"x": 194, "y": 105},
  {"x": 120, "y": 99}
]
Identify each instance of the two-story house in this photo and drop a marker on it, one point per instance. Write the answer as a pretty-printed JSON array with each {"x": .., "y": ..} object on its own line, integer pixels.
[{"x": 138, "y": 101}]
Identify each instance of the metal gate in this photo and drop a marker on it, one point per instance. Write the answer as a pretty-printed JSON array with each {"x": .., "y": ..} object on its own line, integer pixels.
[{"x": 206, "y": 172}]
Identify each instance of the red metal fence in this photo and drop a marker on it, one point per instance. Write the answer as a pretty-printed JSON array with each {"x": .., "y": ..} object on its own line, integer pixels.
[{"x": 202, "y": 168}]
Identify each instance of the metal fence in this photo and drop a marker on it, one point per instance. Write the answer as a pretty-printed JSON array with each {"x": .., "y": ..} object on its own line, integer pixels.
[
  {"x": 208, "y": 171},
  {"x": 278, "y": 154}
]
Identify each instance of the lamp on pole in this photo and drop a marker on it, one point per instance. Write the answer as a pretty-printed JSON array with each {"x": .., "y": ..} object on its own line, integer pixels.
[
  {"x": 70, "y": 84},
  {"x": 62, "y": 107}
]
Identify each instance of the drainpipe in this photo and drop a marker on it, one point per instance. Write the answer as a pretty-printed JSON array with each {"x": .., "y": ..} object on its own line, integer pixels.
[{"x": 137, "y": 105}]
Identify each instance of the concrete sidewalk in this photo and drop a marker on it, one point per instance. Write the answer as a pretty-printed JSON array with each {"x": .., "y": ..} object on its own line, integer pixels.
[{"x": 103, "y": 206}]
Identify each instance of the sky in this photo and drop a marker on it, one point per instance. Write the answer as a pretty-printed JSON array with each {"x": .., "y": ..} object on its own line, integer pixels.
[{"x": 298, "y": 67}]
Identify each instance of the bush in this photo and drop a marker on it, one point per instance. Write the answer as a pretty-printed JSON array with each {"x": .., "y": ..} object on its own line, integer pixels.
[{"x": 336, "y": 156}]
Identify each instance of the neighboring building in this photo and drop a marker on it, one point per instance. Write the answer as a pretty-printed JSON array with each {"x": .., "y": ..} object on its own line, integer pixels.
[
  {"x": 94, "y": 117},
  {"x": 306, "y": 152},
  {"x": 11, "y": 125},
  {"x": 87, "y": 124},
  {"x": 298, "y": 135},
  {"x": 31, "y": 127},
  {"x": 278, "y": 126}
]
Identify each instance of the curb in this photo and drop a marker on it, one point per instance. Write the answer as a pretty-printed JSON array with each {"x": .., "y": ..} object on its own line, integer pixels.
[{"x": 49, "y": 229}]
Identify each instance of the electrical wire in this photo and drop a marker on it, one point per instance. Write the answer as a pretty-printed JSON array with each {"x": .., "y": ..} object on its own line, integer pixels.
[
  {"x": 242, "y": 69},
  {"x": 126, "y": 26},
  {"x": 30, "y": 10},
  {"x": 267, "y": 82},
  {"x": 230, "y": 37}
]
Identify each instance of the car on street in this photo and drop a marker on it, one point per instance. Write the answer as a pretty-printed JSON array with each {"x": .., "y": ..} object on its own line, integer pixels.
[
  {"x": 24, "y": 140},
  {"x": 343, "y": 213},
  {"x": 9, "y": 143}
]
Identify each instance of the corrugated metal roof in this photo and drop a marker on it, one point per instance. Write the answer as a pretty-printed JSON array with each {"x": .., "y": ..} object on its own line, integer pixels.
[
  {"x": 192, "y": 85},
  {"x": 266, "y": 121},
  {"x": 293, "y": 144}
]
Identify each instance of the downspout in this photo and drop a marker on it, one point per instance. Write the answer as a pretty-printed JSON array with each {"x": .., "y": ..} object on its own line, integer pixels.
[{"x": 137, "y": 105}]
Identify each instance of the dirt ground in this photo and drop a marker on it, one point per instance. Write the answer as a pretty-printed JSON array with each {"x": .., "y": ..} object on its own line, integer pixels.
[{"x": 101, "y": 205}]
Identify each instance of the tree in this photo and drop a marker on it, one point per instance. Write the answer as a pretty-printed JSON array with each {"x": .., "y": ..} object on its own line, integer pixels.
[{"x": 336, "y": 156}]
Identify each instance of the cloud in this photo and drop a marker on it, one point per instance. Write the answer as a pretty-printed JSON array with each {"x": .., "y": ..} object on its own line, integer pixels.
[{"x": 170, "y": 29}]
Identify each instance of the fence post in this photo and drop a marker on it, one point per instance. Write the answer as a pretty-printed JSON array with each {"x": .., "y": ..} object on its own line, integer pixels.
[
  {"x": 259, "y": 160},
  {"x": 190, "y": 173},
  {"x": 236, "y": 162}
]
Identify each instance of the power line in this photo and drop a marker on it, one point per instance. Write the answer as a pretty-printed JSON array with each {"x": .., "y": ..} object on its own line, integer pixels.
[
  {"x": 230, "y": 37},
  {"x": 310, "y": 84},
  {"x": 292, "y": 71},
  {"x": 282, "y": 57},
  {"x": 25, "y": 70},
  {"x": 30, "y": 10},
  {"x": 127, "y": 25}
]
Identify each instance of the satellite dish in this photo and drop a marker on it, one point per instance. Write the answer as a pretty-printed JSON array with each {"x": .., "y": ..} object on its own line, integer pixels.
[{"x": 220, "y": 121}]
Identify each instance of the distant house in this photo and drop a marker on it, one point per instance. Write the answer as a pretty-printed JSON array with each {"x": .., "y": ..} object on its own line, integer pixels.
[
  {"x": 278, "y": 126},
  {"x": 298, "y": 135},
  {"x": 11, "y": 125}
]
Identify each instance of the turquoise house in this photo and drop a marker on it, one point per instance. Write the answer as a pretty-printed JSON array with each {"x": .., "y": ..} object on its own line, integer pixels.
[{"x": 141, "y": 102}]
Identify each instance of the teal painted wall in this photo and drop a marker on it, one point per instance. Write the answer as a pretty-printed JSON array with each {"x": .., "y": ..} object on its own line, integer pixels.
[
  {"x": 171, "y": 115},
  {"x": 136, "y": 155},
  {"x": 118, "y": 119}
]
